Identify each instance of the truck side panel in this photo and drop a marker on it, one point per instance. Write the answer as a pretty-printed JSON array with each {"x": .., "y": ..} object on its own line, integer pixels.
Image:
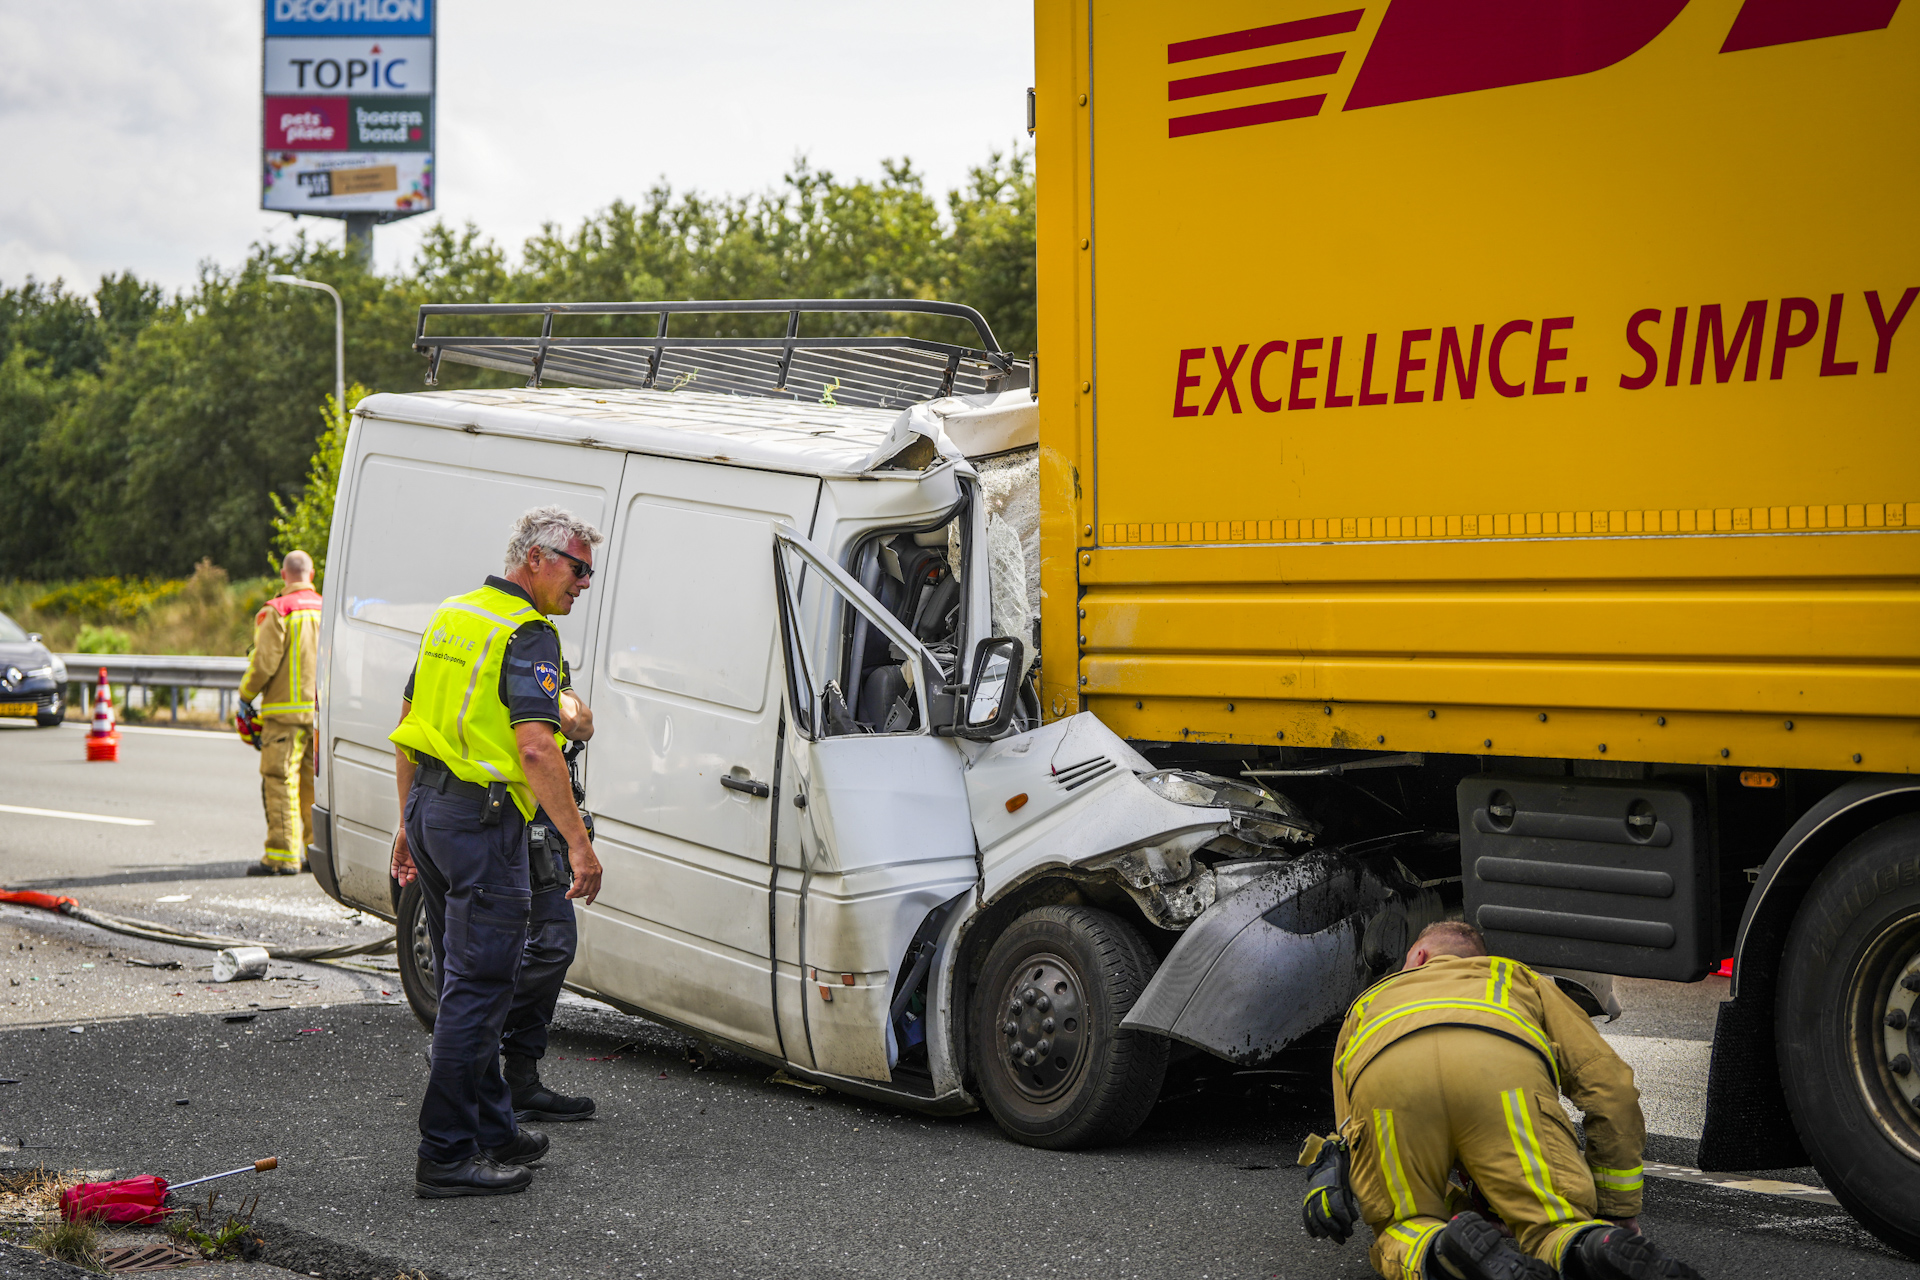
[{"x": 1632, "y": 470}]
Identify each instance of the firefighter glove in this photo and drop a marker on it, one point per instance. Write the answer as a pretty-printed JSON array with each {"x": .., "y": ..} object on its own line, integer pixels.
[{"x": 1329, "y": 1209}]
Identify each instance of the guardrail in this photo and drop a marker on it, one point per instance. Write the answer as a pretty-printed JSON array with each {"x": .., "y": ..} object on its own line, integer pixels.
[
  {"x": 183, "y": 670},
  {"x": 156, "y": 671}
]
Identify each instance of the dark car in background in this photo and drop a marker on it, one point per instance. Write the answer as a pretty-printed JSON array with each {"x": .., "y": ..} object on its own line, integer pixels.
[{"x": 32, "y": 679}]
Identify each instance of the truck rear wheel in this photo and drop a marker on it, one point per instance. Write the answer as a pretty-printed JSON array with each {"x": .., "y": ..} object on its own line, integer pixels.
[
  {"x": 1052, "y": 1064},
  {"x": 1847, "y": 1027},
  {"x": 419, "y": 979}
]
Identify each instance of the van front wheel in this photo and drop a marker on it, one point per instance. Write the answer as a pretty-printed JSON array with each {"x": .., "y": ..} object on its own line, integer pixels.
[
  {"x": 418, "y": 977},
  {"x": 1051, "y": 1062}
]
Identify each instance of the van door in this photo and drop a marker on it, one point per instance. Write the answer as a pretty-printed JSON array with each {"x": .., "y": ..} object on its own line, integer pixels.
[
  {"x": 424, "y": 514},
  {"x": 680, "y": 773},
  {"x": 884, "y": 835}
]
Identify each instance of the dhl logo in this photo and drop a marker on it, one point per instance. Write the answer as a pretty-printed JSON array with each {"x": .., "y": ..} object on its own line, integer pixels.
[{"x": 1436, "y": 48}]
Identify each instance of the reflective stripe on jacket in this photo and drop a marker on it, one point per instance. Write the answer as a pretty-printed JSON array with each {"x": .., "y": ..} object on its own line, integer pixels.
[
  {"x": 1504, "y": 997},
  {"x": 281, "y": 671},
  {"x": 457, "y": 716}
]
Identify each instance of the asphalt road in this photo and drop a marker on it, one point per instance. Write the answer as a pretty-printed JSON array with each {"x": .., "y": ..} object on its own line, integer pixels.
[{"x": 712, "y": 1172}]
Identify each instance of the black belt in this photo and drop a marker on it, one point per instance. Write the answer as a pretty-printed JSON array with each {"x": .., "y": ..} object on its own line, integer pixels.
[{"x": 431, "y": 773}]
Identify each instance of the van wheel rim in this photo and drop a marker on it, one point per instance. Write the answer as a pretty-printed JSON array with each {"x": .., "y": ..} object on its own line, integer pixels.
[
  {"x": 1885, "y": 1005},
  {"x": 1043, "y": 1014},
  {"x": 421, "y": 942}
]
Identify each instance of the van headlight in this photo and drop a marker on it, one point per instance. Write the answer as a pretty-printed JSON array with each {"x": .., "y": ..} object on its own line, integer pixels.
[{"x": 1181, "y": 788}]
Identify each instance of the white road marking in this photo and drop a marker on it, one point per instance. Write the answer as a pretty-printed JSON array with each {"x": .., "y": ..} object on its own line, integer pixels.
[
  {"x": 75, "y": 817},
  {"x": 1736, "y": 1182}
]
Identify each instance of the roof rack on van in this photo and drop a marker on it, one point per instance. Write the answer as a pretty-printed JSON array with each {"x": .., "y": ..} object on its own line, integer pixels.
[{"x": 872, "y": 370}]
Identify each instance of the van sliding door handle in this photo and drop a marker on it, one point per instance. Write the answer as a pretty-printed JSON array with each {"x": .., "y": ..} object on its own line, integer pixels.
[{"x": 747, "y": 785}]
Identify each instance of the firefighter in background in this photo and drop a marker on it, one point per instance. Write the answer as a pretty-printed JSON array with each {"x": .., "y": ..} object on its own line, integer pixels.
[
  {"x": 1459, "y": 1061},
  {"x": 280, "y": 672}
]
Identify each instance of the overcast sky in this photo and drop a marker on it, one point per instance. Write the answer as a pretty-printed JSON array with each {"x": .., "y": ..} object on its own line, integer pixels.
[{"x": 130, "y": 129}]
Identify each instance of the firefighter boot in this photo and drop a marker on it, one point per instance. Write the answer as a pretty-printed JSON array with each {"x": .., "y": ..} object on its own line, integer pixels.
[
  {"x": 533, "y": 1100},
  {"x": 1471, "y": 1248},
  {"x": 1620, "y": 1253}
]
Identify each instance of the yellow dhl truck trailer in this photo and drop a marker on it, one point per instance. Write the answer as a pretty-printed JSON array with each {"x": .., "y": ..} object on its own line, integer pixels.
[{"x": 1495, "y": 425}]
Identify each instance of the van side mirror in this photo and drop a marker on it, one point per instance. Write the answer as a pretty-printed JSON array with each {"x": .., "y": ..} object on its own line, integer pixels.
[
  {"x": 993, "y": 690},
  {"x": 35, "y": 636}
]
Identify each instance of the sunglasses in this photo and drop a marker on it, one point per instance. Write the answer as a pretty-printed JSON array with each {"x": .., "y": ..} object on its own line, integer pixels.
[{"x": 582, "y": 571}]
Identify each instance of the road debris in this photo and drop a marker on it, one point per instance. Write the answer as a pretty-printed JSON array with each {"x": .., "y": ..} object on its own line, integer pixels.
[
  {"x": 239, "y": 964},
  {"x": 781, "y": 1077},
  {"x": 133, "y": 1201}
]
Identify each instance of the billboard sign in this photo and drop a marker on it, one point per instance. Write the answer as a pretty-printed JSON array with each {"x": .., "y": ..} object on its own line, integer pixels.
[{"x": 347, "y": 122}]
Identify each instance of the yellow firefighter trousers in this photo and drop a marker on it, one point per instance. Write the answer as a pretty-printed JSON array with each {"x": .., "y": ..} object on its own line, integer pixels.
[
  {"x": 286, "y": 790},
  {"x": 1450, "y": 1094}
]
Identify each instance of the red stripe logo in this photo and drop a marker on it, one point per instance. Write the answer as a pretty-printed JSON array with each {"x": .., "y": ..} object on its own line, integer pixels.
[
  {"x": 1435, "y": 48},
  {"x": 1186, "y": 87}
]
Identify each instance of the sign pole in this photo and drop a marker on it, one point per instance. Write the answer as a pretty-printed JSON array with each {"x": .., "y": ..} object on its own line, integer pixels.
[{"x": 360, "y": 239}]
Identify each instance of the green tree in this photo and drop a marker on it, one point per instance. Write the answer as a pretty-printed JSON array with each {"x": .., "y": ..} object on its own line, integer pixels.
[
  {"x": 307, "y": 523},
  {"x": 143, "y": 432}
]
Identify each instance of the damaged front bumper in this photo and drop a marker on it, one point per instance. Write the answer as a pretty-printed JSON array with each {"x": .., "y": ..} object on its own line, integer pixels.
[{"x": 1287, "y": 952}]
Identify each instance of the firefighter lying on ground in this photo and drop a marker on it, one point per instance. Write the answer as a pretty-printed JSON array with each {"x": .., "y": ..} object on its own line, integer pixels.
[{"x": 1460, "y": 1059}]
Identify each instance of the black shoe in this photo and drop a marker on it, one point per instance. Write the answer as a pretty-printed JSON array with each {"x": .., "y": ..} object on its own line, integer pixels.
[
  {"x": 534, "y": 1101},
  {"x": 1617, "y": 1253},
  {"x": 1471, "y": 1248},
  {"x": 529, "y": 1146},
  {"x": 476, "y": 1176}
]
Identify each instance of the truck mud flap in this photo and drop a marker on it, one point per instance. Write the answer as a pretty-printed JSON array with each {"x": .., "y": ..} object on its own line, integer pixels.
[{"x": 1289, "y": 952}]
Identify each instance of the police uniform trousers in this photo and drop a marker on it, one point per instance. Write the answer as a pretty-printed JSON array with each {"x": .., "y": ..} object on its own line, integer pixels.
[
  {"x": 474, "y": 881},
  {"x": 286, "y": 789},
  {"x": 552, "y": 939},
  {"x": 1448, "y": 1094}
]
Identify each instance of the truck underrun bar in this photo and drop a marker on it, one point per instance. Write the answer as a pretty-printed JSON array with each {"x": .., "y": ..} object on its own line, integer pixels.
[{"x": 869, "y": 370}]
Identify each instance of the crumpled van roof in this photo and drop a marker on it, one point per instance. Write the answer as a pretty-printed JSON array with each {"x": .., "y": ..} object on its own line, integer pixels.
[{"x": 779, "y": 435}]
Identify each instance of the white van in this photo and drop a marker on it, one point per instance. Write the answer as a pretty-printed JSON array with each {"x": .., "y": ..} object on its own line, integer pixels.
[{"x": 837, "y": 837}]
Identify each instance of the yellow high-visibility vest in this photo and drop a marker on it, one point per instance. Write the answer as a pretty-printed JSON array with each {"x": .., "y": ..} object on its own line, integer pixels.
[{"x": 457, "y": 715}]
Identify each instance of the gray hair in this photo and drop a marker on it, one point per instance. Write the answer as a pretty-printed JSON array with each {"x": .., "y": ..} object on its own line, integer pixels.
[
  {"x": 297, "y": 563},
  {"x": 550, "y": 528}
]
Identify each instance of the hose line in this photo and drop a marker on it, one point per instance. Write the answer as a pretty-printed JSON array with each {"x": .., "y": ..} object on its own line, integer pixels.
[{"x": 153, "y": 932}]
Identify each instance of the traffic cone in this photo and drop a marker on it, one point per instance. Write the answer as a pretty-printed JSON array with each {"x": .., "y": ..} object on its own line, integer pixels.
[{"x": 103, "y": 740}]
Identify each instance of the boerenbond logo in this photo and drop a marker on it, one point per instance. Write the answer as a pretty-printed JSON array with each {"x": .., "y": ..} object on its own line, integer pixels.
[{"x": 1436, "y": 48}]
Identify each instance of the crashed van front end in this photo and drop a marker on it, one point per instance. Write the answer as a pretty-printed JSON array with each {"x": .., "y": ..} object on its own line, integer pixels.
[{"x": 1272, "y": 934}]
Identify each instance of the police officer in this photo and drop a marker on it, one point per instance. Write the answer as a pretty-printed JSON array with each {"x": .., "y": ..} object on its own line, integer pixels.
[
  {"x": 552, "y": 939},
  {"x": 478, "y": 754},
  {"x": 1460, "y": 1060}
]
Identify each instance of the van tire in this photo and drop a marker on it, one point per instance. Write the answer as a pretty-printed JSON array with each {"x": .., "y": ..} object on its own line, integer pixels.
[
  {"x": 1088, "y": 961},
  {"x": 1857, "y": 934},
  {"x": 418, "y": 979}
]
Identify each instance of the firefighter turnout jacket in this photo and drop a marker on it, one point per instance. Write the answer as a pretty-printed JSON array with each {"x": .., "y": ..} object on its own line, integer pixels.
[
  {"x": 1464, "y": 1060},
  {"x": 286, "y": 649},
  {"x": 1505, "y": 998}
]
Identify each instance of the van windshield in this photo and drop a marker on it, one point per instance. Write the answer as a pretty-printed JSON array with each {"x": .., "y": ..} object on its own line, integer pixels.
[{"x": 10, "y": 632}]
